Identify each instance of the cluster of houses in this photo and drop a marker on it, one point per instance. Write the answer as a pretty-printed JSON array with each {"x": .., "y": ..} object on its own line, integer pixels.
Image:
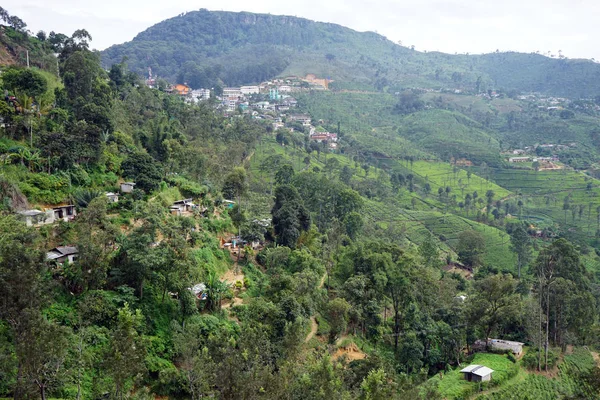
[
  {"x": 528, "y": 154},
  {"x": 232, "y": 98}
]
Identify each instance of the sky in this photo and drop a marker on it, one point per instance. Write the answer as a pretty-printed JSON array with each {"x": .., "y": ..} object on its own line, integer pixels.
[{"x": 451, "y": 26}]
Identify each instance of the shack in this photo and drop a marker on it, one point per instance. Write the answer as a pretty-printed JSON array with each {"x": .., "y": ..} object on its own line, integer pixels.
[
  {"x": 36, "y": 217},
  {"x": 65, "y": 213},
  {"x": 127, "y": 187},
  {"x": 62, "y": 253},
  {"x": 477, "y": 373}
]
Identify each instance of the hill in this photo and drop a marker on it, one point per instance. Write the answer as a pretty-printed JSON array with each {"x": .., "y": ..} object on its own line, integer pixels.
[{"x": 205, "y": 47}]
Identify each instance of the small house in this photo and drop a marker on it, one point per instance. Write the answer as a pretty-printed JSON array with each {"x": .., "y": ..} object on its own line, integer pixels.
[
  {"x": 229, "y": 203},
  {"x": 199, "y": 291},
  {"x": 477, "y": 373},
  {"x": 112, "y": 197},
  {"x": 62, "y": 254},
  {"x": 65, "y": 213},
  {"x": 36, "y": 217},
  {"x": 127, "y": 187},
  {"x": 519, "y": 159},
  {"x": 182, "y": 206}
]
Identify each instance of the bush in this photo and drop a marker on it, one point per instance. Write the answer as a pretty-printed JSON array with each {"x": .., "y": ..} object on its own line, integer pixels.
[{"x": 530, "y": 360}]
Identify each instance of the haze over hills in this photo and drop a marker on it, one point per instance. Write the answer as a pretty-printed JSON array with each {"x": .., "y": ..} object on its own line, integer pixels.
[{"x": 203, "y": 47}]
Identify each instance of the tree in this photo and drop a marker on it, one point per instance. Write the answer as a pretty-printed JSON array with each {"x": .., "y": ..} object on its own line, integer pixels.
[
  {"x": 429, "y": 251},
  {"x": 556, "y": 265},
  {"x": 45, "y": 353},
  {"x": 21, "y": 266},
  {"x": 144, "y": 170},
  {"x": 354, "y": 223},
  {"x": 337, "y": 316},
  {"x": 346, "y": 175},
  {"x": 284, "y": 175},
  {"x": 346, "y": 202},
  {"x": 493, "y": 303},
  {"x": 126, "y": 352},
  {"x": 470, "y": 248},
  {"x": 521, "y": 245},
  {"x": 236, "y": 184},
  {"x": 290, "y": 217},
  {"x": 25, "y": 81},
  {"x": 376, "y": 386}
]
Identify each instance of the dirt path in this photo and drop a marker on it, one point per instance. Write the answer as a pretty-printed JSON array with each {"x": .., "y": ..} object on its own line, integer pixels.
[
  {"x": 313, "y": 329},
  {"x": 596, "y": 357},
  {"x": 313, "y": 321},
  {"x": 231, "y": 277}
]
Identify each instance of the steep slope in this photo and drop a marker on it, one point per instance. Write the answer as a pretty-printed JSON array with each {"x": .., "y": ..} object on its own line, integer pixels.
[{"x": 203, "y": 47}]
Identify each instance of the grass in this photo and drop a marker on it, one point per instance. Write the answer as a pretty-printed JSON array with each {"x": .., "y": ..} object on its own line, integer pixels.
[
  {"x": 543, "y": 195},
  {"x": 454, "y": 386},
  {"x": 395, "y": 215},
  {"x": 440, "y": 174},
  {"x": 540, "y": 387}
]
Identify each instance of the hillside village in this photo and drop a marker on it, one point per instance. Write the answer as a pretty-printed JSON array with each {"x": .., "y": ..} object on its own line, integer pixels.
[
  {"x": 271, "y": 101},
  {"x": 294, "y": 239}
]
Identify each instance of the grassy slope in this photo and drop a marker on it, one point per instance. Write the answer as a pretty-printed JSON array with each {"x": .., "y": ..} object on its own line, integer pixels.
[
  {"x": 540, "y": 387},
  {"x": 453, "y": 386},
  {"x": 440, "y": 174},
  {"x": 371, "y": 120},
  {"x": 543, "y": 195},
  {"x": 397, "y": 212}
]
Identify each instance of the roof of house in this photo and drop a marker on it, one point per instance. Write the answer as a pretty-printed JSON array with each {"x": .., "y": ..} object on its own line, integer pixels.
[
  {"x": 184, "y": 201},
  {"x": 506, "y": 345},
  {"x": 61, "y": 251},
  {"x": 198, "y": 288},
  {"x": 478, "y": 370},
  {"x": 30, "y": 213},
  {"x": 128, "y": 183},
  {"x": 63, "y": 206},
  {"x": 111, "y": 194}
]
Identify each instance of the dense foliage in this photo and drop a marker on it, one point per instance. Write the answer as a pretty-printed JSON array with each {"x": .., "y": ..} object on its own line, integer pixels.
[{"x": 371, "y": 272}]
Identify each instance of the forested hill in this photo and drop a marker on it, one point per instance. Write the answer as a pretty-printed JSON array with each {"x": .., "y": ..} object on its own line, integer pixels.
[{"x": 205, "y": 48}]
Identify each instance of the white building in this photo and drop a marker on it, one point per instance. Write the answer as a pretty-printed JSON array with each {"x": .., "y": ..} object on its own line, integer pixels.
[
  {"x": 285, "y": 88},
  {"x": 200, "y": 95},
  {"x": 232, "y": 92},
  {"x": 127, "y": 187},
  {"x": 112, "y": 197},
  {"x": 477, "y": 373},
  {"x": 62, "y": 253},
  {"x": 250, "y": 89}
]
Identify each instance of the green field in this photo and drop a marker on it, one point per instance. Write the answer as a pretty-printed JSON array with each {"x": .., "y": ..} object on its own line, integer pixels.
[
  {"x": 543, "y": 195},
  {"x": 454, "y": 386},
  {"x": 440, "y": 174},
  {"x": 543, "y": 388}
]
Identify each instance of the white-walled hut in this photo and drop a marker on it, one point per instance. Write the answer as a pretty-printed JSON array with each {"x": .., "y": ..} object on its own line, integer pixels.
[{"x": 477, "y": 373}]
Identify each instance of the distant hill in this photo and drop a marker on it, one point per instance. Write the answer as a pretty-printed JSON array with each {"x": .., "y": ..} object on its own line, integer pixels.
[{"x": 204, "y": 48}]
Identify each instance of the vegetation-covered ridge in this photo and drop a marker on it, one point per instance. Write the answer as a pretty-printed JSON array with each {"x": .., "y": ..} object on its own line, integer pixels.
[
  {"x": 205, "y": 47},
  {"x": 152, "y": 246}
]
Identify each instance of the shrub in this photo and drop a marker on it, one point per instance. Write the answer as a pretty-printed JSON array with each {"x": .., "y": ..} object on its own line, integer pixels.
[{"x": 530, "y": 360}]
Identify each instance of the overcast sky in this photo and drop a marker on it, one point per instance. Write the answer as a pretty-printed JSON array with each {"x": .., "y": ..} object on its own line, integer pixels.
[{"x": 475, "y": 26}]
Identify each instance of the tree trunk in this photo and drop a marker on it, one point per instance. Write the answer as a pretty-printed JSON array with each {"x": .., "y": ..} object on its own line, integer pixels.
[
  {"x": 547, "y": 324},
  {"x": 18, "y": 394},
  {"x": 539, "y": 368},
  {"x": 43, "y": 391}
]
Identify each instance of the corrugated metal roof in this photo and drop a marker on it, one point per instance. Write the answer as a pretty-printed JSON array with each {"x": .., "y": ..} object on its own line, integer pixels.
[{"x": 478, "y": 370}]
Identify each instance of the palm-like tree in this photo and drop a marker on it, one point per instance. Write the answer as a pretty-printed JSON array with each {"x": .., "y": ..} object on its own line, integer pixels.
[
  {"x": 26, "y": 109},
  {"x": 215, "y": 290},
  {"x": 33, "y": 159}
]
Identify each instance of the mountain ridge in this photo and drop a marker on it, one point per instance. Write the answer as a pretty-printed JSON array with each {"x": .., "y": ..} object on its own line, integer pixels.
[{"x": 207, "y": 48}]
